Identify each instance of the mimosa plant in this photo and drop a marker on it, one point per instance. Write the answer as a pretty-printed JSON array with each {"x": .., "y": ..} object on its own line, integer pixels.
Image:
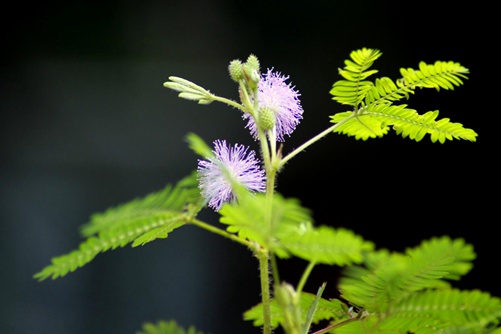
[{"x": 380, "y": 291}]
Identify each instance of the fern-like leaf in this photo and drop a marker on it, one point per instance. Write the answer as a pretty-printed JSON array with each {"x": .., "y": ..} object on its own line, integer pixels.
[
  {"x": 441, "y": 74},
  {"x": 373, "y": 111},
  {"x": 354, "y": 88},
  {"x": 375, "y": 121},
  {"x": 440, "y": 309},
  {"x": 396, "y": 276},
  {"x": 440, "y": 130},
  {"x": 326, "y": 245},
  {"x": 247, "y": 218},
  {"x": 359, "y": 126},
  {"x": 138, "y": 222},
  {"x": 385, "y": 91},
  {"x": 166, "y": 327}
]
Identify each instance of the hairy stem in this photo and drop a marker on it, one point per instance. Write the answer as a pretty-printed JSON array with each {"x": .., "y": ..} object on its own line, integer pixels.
[
  {"x": 263, "y": 257},
  {"x": 310, "y": 142},
  {"x": 228, "y": 102}
]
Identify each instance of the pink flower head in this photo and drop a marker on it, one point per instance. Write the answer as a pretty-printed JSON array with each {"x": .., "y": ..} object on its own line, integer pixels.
[
  {"x": 280, "y": 97},
  {"x": 218, "y": 174}
]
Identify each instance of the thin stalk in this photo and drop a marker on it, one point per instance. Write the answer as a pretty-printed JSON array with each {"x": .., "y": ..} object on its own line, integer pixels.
[
  {"x": 310, "y": 142},
  {"x": 262, "y": 254},
  {"x": 339, "y": 324},
  {"x": 222, "y": 233},
  {"x": 274, "y": 268},
  {"x": 229, "y": 102},
  {"x": 263, "y": 257},
  {"x": 305, "y": 276}
]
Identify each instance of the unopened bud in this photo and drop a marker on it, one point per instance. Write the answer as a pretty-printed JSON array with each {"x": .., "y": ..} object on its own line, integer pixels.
[
  {"x": 236, "y": 70},
  {"x": 266, "y": 119},
  {"x": 252, "y": 75},
  {"x": 285, "y": 295},
  {"x": 253, "y": 63}
]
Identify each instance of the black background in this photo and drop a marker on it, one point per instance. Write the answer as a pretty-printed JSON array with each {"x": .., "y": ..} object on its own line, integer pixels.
[{"x": 86, "y": 124}]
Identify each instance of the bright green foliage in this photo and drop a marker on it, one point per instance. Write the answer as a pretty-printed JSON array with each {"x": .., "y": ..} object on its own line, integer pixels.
[
  {"x": 381, "y": 292},
  {"x": 166, "y": 327},
  {"x": 433, "y": 311},
  {"x": 403, "y": 293},
  {"x": 353, "y": 90},
  {"x": 388, "y": 278},
  {"x": 333, "y": 310},
  {"x": 326, "y": 245},
  {"x": 291, "y": 231},
  {"x": 137, "y": 222},
  {"x": 374, "y": 113},
  {"x": 247, "y": 219},
  {"x": 199, "y": 146}
]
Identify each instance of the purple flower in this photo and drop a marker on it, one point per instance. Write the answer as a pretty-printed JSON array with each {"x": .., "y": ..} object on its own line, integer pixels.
[
  {"x": 280, "y": 97},
  {"x": 229, "y": 165}
]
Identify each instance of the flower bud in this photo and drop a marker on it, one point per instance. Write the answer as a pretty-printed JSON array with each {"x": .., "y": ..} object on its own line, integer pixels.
[
  {"x": 266, "y": 119},
  {"x": 285, "y": 295},
  {"x": 252, "y": 75},
  {"x": 253, "y": 63},
  {"x": 236, "y": 70}
]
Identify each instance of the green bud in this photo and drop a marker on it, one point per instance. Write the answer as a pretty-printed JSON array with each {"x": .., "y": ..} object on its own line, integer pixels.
[
  {"x": 253, "y": 63},
  {"x": 285, "y": 295},
  {"x": 251, "y": 75},
  {"x": 236, "y": 70},
  {"x": 266, "y": 119}
]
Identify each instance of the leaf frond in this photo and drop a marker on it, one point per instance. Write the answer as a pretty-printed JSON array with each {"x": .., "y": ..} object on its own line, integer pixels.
[
  {"x": 448, "y": 310},
  {"x": 408, "y": 123},
  {"x": 166, "y": 327},
  {"x": 395, "y": 276},
  {"x": 441, "y": 74},
  {"x": 326, "y": 245},
  {"x": 374, "y": 114},
  {"x": 359, "y": 126},
  {"x": 385, "y": 91},
  {"x": 375, "y": 121},
  {"x": 139, "y": 221},
  {"x": 247, "y": 219},
  {"x": 354, "y": 88}
]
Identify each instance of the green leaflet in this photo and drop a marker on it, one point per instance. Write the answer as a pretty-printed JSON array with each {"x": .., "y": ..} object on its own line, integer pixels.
[
  {"x": 290, "y": 231},
  {"x": 389, "y": 278},
  {"x": 137, "y": 222},
  {"x": 448, "y": 311},
  {"x": 247, "y": 219},
  {"x": 375, "y": 121},
  {"x": 326, "y": 245},
  {"x": 332, "y": 309},
  {"x": 166, "y": 327},
  {"x": 198, "y": 145},
  {"x": 373, "y": 111}
]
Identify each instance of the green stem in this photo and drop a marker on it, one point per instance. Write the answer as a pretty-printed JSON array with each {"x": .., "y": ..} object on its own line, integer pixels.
[
  {"x": 310, "y": 142},
  {"x": 263, "y": 257},
  {"x": 229, "y": 102},
  {"x": 274, "y": 268},
  {"x": 305, "y": 276},
  {"x": 225, "y": 234},
  {"x": 339, "y": 324}
]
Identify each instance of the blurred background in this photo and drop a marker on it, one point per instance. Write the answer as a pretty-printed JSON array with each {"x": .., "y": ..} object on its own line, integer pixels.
[{"x": 87, "y": 124}]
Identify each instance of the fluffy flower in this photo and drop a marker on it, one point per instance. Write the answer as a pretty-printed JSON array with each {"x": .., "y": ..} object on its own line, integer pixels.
[
  {"x": 280, "y": 97},
  {"x": 229, "y": 164}
]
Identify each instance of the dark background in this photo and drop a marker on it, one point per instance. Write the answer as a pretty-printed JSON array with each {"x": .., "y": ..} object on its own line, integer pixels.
[{"x": 86, "y": 124}]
